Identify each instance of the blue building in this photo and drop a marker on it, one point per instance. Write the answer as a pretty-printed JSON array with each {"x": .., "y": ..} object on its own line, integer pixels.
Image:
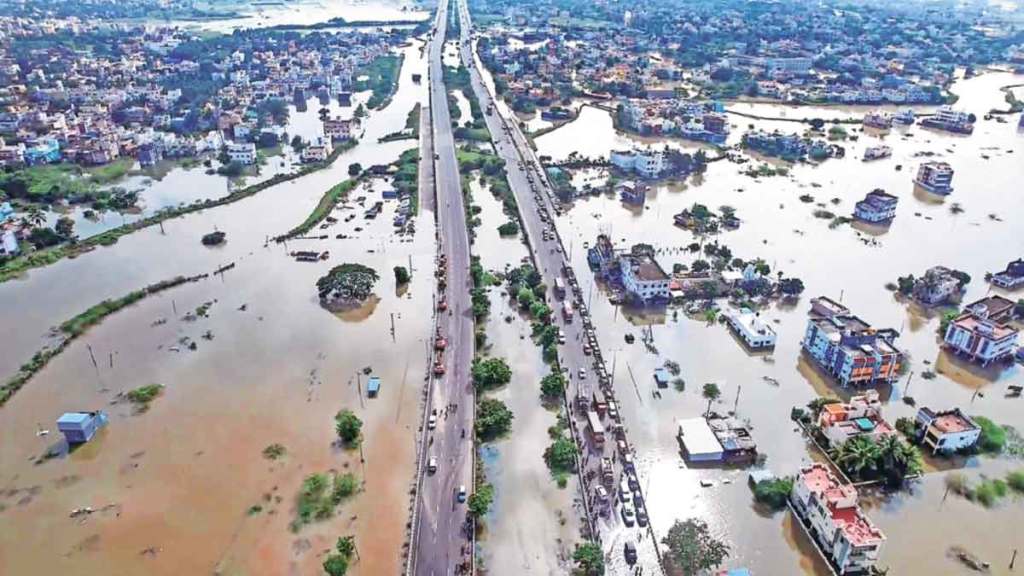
[
  {"x": 373, "y": 386},
  {"x": 6, "y": 212},
  {"x": 46, "y": 151},
  {"x": 80, "y": 427}
]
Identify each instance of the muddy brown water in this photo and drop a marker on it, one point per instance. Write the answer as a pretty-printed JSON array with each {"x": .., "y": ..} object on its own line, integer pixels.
[
  {"x": 178, "y": 480},
  {"x": 842, "y": 263}
]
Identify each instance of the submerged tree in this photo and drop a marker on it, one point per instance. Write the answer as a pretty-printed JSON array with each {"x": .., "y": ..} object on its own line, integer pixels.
[
  {"x": 349, "y": 282},
  {"x": 692, "y": 547}
]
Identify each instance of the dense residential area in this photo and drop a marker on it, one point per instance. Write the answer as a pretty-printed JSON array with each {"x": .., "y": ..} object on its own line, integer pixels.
[{"x": 631, "y": 288}]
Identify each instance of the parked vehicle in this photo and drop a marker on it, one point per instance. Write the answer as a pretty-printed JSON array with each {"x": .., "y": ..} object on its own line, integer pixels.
[
  {"x": 432, "y": 465},
  {"x": 462, "y": 493},
  {"x": 629, "y": 552},
  {"x": 628, "y": 514}
]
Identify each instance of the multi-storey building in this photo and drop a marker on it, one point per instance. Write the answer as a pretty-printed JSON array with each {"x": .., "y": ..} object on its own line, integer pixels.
[
  {"x": 975, "y": 335},
  {"x": 850, "y": 350},
  {"x": 829, "y": 512},
  {"x": 876, "y": 207},
  {"x": 935, "y": 177}
]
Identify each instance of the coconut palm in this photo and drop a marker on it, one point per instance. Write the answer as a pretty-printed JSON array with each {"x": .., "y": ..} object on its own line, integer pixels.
[
  {"x": 898, "y": 459},
  {"x": 35, "y": 217},
  {"x": 857, "y": 455},
  {"x": 711, "y": 393}
]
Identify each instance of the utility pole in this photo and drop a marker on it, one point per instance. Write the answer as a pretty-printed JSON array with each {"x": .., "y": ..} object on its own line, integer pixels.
[
  {"x": 736, "y": 404},
  {"x": 93, "y": 357}
]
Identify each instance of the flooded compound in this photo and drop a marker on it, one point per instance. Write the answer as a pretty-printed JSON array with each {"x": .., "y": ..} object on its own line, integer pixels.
[
  {"x": 849, "y": 262},
  {"x": 247, "y": 360}
]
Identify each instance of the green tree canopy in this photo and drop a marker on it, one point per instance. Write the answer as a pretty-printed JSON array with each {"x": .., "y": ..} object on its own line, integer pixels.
[
  {"x": 493, "y": 418},
  {"x": 552, "y": 386},
  {"x": 350, "y": 282},
  {"x": 589, "y": 558},
  {"x": 348, "y": 426},
  {"x": 490, "y": 373},
  {"x": 692, "y": 547}
]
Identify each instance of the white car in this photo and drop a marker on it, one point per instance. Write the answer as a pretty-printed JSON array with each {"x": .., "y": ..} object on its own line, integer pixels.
[
  {"x": 432, "y": 422},
  {"x": 432, "y": 465},
  {"x": 462, "y": 493},
  {"x": 583, "y": 373},
  {"x": 628, "y": 514},
  {"x": 625, "y": 494}
]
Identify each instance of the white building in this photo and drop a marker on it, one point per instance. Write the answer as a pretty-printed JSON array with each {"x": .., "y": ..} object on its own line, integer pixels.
[
  {"x": 318, "y": 150},
  {"x": 947, "y": 431},
  {"x": 337, "y": 129},
  {"x": 8, "y": 243},
  {"x": 646, "y": 163},
  {"x": 643, "y": 278},
  {"x": 751, "y": 329},
  {"x": 830, "y": 514},
  {"x": 980, "y": 339},
  {"x": 241, "y": 152}
]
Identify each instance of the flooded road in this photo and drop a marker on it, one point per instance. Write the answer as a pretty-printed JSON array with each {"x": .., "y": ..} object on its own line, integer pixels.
[
  {"x": 174, "y": 487},
  {"x": 848, "y": 263}
]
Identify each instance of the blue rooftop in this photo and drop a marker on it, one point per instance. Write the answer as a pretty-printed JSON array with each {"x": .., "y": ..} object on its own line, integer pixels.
[{"x": 74, "y": 418}]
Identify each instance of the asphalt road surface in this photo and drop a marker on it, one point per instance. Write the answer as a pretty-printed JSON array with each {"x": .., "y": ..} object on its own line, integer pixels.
[
  {"x": 440, "y": 543},
  {"x": 532, "y": 191}
]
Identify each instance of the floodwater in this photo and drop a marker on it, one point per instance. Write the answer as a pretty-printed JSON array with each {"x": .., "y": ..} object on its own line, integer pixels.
[
  {"x": 172, "y": 183},
  {"x": 304, "y": 13},
  {"x": 533, "y": 525},
  {"x": 172, "y": 487},
  {"x": 848, "y": 263}
]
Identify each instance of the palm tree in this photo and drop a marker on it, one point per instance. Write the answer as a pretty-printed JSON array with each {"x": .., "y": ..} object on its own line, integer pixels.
[
  {"x": 35, "y": 217},
  {"x": 711, "y": 393},
  {"x": 898, "y": 459},
  {"x": 857, "y": 455}
]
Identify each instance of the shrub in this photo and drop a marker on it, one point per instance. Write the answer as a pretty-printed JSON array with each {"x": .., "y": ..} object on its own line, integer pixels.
[
  {"x": 773, "y": 493},
  {"x": 345, "y": 485},
  {"x": 993, "y": 436},
  {"x": 348, "y": 426},
  {"x": 274, "y": 451},
  {"x": 509, "y": 228},
  {"x": 480, "y": 500}
]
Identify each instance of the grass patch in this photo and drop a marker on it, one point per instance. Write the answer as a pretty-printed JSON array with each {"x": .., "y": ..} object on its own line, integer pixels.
[
  {"x": 323, "y": 208},
  {"x": 381, "y": 78},
  {"x": 274, "y": 451},
  {"x": 144, "y": 395},
  {"x": 108, "y": 173},
  {"x": 319, "y": 495}
]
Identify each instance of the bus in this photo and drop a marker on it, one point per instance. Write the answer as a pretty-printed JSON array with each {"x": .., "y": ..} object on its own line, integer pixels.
[{"x": 559, "y": 287}]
